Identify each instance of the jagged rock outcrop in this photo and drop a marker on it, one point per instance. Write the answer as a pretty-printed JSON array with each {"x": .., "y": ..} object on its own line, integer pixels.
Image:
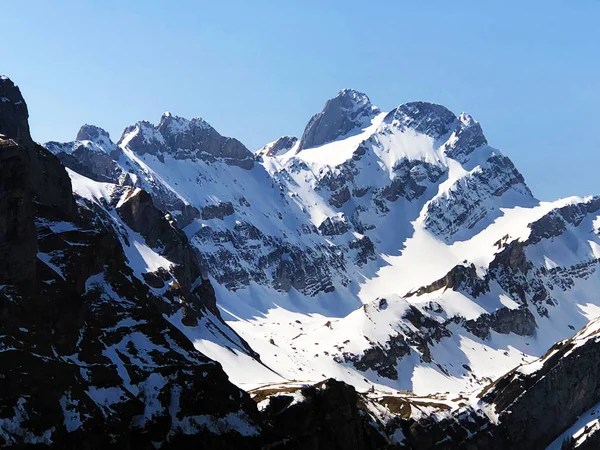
[
  {"x": 381, "y": 359},
  {"x": 279, "y": 147},
  {"x": 14, "y": 116},
  {"x": 138, "y": 212},
  {"x": 186, "y": 139},
  {"x": 92, "y": 154},
  {"x": 461, "y": 277},
  {"x": 50, "y": 184},
  {"x": 464, "y": 206},
  {"x": 365, "y": 250},
  {"x": 333, "y": 226},
  {"x": 218, "y": 211},
  {"x": 519, "y": 321},
  {"x": 467, "y": 137},
  {"x": 410, "y": 181},
  {"x": 422, "y": 117}
]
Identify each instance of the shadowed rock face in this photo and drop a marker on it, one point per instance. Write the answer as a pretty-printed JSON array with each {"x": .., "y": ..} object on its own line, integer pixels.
[
  {"x": 535, "y": 408},
  {"x": 520, "y": 321},
  {"x": 333, "y": 227},
  {"x": 49, "y": 181},
  {"x": 32, "y": 181},
  {"x": 218, "y": 211},
  {"x": 14, "y": 116},
  {"x": 348, "y": 110},
  {"x": 17, "y": 232}
]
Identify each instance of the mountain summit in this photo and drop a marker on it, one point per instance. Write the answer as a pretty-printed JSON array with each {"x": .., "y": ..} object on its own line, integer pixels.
[{"x": 348, "y": 110}]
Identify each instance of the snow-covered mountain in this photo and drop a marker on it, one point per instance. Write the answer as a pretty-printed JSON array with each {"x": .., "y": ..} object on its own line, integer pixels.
[
  {"x": 310, "y": 239},
  {"x": 395, "y": 251}
]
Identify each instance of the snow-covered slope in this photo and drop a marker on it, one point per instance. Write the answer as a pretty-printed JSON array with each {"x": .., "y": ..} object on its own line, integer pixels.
[{"x": 325, "y": 250}]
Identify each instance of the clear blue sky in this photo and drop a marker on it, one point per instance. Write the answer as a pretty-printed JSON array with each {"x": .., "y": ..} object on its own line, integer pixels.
[{"x": 529, "y": 71}]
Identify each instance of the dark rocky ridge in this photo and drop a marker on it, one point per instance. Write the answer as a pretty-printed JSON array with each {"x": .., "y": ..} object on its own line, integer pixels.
[
  {"x": 33, "y": 182},
  {"x": 17, "y": 230},
  {"x": 50, "y": 184},
  {"x": 464, "y": 207}
]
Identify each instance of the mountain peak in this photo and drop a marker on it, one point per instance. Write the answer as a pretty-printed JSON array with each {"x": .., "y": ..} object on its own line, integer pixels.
[
  {"x": 97, "y": 135},
  {"x": 353, "y": 98},
  {"x": 467, "y": 120},
  {"x": 348, "y": 110},
  {"x": 14, "y": 116},
  {"x": 427, "y": 118},
  {"x": 173, "y": 124}
]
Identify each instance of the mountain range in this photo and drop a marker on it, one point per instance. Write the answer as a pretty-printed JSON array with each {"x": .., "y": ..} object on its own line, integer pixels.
[{"x": 386, "y": 280}]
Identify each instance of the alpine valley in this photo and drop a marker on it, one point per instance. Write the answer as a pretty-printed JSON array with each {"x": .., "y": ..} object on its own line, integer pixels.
[{"x": 386, "y": 280}]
